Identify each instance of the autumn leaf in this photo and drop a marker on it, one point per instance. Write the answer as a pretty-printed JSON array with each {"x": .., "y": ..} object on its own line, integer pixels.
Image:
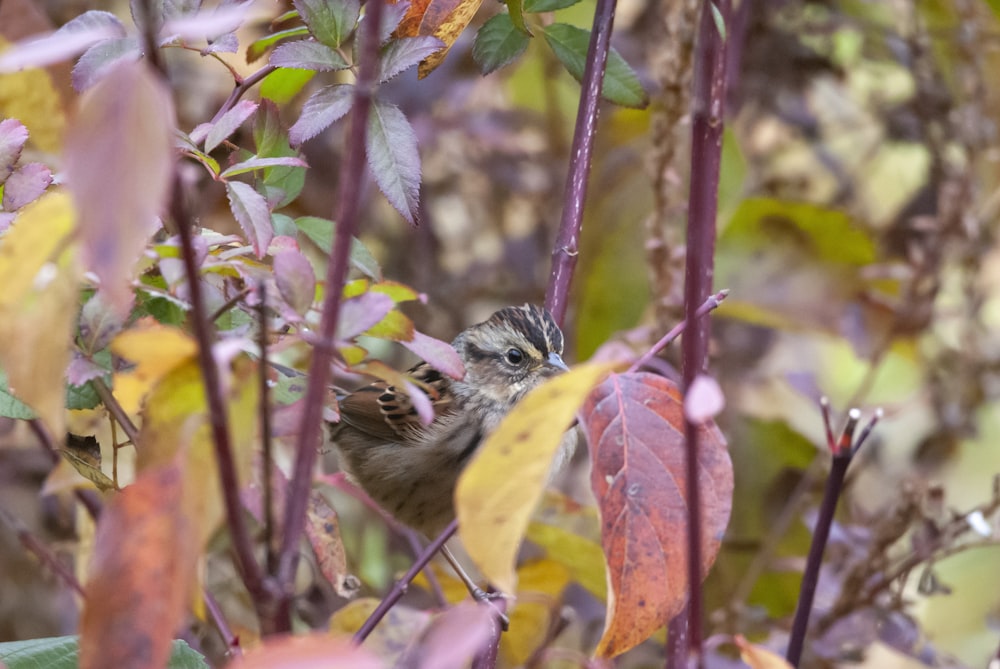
[
  {"x": 758, "y": 657},
  {"x": 155, "y": 349},
  {"x": 141, "y": 576},
  {"x": 500, "y": 488},
  {"x": 309, "y": 651},
  {"x": 444, "y": 19},
  {"x": 635, "y": 428},
  {"x": 539, "y": 597},
  {"x": 38, "y": 272},
  {"x": 125, "y": 125}
]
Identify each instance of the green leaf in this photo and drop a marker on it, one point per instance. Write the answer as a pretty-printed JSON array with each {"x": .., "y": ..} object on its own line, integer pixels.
[
  {"x": 720, "y": 23},
  {"x": 329, "y": 21},
  {"x": 10, "y": 406},
  {"x": 258, "y": 47},
  {"x": 537, "y": 6},
  {"x": 285, "y": 83},
  {"x": 621, "y": 85},
  {"x": 320, "y": 231},
  {"x": 498, "y": 43},
  {"x": 271, "y": 139},
  {"x": 62, "y": 652},
  {"x": 81, "y": 397}
]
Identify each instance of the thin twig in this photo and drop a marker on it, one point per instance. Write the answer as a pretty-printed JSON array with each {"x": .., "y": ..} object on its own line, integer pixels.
[
  {"x": 567, "y": 244},
  {"x": 706, "y": 155},
  {"x": 349, "y": 205},
  {"x": 35, "y": 546},
  {"x": 116, "y": 411},
  {"x": 708, "y": 305},
  {"x": 230, "y": 303},
  {"x": 241, "y": 88},
  {"x": 399, "y": 587},
  {"x": 215, "y": 611},
  {"x": 267, "y": 466}
]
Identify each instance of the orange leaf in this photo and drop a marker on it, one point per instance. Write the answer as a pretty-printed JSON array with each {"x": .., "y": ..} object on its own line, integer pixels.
[
  {"x": 759, "y": 658},
  {"x": 444, "y": 19},
  {"x": 142, "y": 575},
  {"x": 635, "y": 427},
  {"x": 312, "y": 651}
]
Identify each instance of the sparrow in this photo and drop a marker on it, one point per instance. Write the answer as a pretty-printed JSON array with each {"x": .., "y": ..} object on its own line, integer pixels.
[{"x": 410, "y": 469}]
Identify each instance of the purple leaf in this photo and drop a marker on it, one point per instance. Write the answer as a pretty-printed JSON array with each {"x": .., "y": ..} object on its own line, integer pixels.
[
  {"x": 392, "y": 14},
  {"x": 323, "y": 108},
  {"x": 74, "y": 37},
  {"x": 393, "y": 157},
  {"x": 439, "y": 354},
  {"x": 361, "y": 313},
  {"x": 13, "y": 135},
  {"x": 25, "y": 185},
  {"x": 296, "y": 280},
  {"x": 98, "y": 325},
  {"x": 119, "y": 158},
  {"x": 251, "y": 212},
  {"x": 227, "y": 43},
  {"x": 307, "y": 55},
  {"x": 422, "y": 403},
  {"x": 260, "y": 163},
  {"x": 229, "y": 122},
  {"x": 208, "y": 24},
  {"x": 454, "y": 638},
  {"x": 6, "y": 218},
  {"x": 98, "y": 58},
  {"x": 81, "y": 370},
  {"x": 402, "y": 54}
]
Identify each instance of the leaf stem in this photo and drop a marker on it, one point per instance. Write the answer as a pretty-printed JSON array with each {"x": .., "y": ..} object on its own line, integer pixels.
[
  {"x": 35, "y": 546},
  {"x": 567, "y": 245},
  {"x": 241, "y": 88},
  {"x": 706, "y": 155},
  {"x": 267, "y": 464},
  {"x": 349, "y": 205},
  {"x": 708, "y": 305},
  {"x": 116, "y": 411}
]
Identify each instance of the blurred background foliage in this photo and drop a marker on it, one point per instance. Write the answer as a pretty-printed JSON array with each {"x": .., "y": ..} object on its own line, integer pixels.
[{"x": 857, "y": 232}]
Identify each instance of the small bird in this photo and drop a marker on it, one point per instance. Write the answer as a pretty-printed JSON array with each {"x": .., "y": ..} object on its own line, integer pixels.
[{"x": 409, "y": 468}]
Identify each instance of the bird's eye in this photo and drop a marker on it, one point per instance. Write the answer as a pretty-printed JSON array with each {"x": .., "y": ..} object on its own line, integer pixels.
[{"x": 515, "y": 356}]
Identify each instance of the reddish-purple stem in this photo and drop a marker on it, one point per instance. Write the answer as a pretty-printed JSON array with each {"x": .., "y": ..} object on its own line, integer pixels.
[
  {"x": 567, "y": 244},
  {"x": 35, "y": 546},
  {"x": 349, "y": 205},
  {"x": 708, "y": 305},
  {"x": 400, "y": 586},
  {"x": 706, "y": 154}
]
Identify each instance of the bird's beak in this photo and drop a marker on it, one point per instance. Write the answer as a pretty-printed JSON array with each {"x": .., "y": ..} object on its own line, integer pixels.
[{"x": 555, "y": 361}]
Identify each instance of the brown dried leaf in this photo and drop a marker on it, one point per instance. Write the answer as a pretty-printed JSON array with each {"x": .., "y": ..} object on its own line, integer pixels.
[
  {"x": 444, "y": 19},
  {"x": 323, "y": 531},
  {"x": 635, "y": 427},
  {"x": 142, "y": 575}
]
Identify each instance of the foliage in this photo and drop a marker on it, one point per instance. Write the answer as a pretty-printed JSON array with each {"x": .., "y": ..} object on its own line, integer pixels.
[{"x": 169, "y": 270}]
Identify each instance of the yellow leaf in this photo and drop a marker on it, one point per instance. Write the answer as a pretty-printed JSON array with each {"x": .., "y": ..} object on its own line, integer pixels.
[
  {"x": 499, "y": 489},
  {"x": 38, "y": 272},
  {"x": 156, "y": 349},
  {"x": 31, "y": 97},
  {"x": 584, "y": 558},
  {"x": 175, "y": 425},
  {"x": 540, "y": 587}
]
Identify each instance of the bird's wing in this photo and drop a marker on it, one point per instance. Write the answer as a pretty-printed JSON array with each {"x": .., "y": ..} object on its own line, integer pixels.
[{"x": 386, "y": 412}]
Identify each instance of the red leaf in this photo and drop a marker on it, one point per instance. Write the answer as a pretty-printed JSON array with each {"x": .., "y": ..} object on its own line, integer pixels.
[
  {"x": 142, "y": 575},
  {"x": 295, "y": 279},
  {"x": 635, "y": 427}
]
